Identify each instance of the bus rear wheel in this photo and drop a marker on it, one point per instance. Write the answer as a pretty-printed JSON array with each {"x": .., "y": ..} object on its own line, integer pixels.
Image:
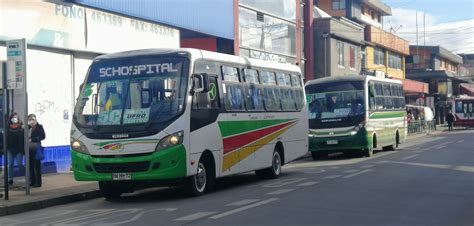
[
  {"x": 274, "y": 171},
  {"x": 368, "y": 152},
  {"x": 109, "y": 191}
]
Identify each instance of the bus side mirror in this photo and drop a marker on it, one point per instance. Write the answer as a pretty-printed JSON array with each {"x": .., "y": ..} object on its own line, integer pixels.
[{"x": 200, "y": 83}]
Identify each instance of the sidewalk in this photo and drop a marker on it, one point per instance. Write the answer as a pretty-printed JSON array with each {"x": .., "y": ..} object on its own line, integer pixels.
[{"x": 57, "y": 189}]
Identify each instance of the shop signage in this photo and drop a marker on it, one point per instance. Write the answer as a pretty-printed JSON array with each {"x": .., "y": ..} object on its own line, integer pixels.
[{"x": 74, "y": 27}]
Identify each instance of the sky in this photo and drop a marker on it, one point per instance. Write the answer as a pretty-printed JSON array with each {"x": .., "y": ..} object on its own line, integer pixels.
[{"x": 448, "y": 23}]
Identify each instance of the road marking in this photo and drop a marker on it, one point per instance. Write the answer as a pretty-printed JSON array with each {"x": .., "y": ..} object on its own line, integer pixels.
[
  {"x": 331, "y": 177},
  {"x": 98, "y": 212},
  {"x": 355, "y": 174},
  {"x": 469, "y": 169},
  {"x": 194, "y": 216},
  {"x": 439, "y": 147},
  {"x": 460, "y": 141},
  {"x": 367, "y": 166},
  {"x": 282, "y": 183},
  {"x": 410, "y": 157},
  {"x": 308, "y": 183},
  {"x": 351, "y": 171},
  {"x": 279, "y": 192},
  {"x": 242, "y": 202},
  {"x": 42, "y": 216},
  {"x": 243, "y": 208},
  {"x": 314, "y": 170},
  {"x": 338, "y": 162},
  {"x": 119, "y": 213}
]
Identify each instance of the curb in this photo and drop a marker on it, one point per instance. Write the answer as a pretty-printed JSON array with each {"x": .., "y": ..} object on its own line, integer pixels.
[{"x": 45, "y": 203}]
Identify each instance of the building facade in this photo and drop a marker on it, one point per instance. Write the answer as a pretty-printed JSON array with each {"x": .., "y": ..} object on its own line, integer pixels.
[
  {"x": 383, "y": 51},
  {"x": 251, "y": 28},
  {"x": 441, "y": 69},
  {"x": 338, "y": 45}
]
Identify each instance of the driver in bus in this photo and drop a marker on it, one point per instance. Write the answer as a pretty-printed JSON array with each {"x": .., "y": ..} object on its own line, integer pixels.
[
  {"x": 114, "y": 101},
  {"x": 332, "y": 102}
]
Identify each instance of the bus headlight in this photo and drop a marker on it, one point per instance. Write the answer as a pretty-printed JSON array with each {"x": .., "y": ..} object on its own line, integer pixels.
[
  {"x": 78, "y": 146},
  {"x": 170, "y": 141},
  {"x": 358, "y": 127}
]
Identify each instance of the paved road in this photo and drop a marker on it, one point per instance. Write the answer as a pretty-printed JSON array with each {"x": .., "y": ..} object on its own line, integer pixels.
[{"x": 429, "y": 181}]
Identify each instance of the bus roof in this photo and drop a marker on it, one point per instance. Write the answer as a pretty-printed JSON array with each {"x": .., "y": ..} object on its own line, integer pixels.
[
  {"x": 202, "y": 54},
  {"x": 348, "y": 78}
]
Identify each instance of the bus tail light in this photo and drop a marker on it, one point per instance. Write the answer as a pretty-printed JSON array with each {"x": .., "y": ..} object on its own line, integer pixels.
[{"x": 170, "y": 141}]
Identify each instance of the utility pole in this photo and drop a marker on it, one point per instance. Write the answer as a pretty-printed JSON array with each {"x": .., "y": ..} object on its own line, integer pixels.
[
  {"x": 417, "y": 54},
  {"x": 325, "y": 36}
]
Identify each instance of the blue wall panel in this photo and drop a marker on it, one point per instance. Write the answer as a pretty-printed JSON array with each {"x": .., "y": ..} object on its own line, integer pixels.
[{"x": 212, "y": 17}]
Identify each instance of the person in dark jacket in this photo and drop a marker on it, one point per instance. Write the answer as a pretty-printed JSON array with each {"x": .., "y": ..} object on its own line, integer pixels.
[
  {"x": 450, "y": 119},
  {"x": 15, "y": 145},
  {"x": 36, "y": 136}
]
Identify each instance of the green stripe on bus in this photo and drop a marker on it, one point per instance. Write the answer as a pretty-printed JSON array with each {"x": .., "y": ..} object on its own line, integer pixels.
[
  {"x": 229, "y": 128},
  {"x": 382, "y": 115}
]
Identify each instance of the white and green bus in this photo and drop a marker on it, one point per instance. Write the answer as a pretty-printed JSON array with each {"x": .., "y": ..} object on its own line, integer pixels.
[
  {"x": 355, "y": 115},
  {"x": 185, "y": 116}
]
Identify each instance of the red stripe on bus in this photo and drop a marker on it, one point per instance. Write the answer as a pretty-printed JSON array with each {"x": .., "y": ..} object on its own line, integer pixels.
[{"x": 235, "y": 142}]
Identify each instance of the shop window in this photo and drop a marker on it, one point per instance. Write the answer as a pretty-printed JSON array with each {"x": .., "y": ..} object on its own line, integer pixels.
[
  {"x": 340, "y": 53},
  {"x": 379, "y": 56},
  {"x": 338, "y": 4},
  {"x": 352, "y": 57}
]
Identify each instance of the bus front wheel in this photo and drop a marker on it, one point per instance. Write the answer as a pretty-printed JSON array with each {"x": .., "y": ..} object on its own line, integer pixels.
[
  {"x": 109, "y": 191},
  {"x": 203, "y": 180},
  {"x": 369, "y": 152}
]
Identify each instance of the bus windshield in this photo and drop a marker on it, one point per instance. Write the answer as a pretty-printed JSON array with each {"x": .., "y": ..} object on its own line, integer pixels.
[
  {"x": 132, "y": 91},
  {"x": 335, "y": 104}
]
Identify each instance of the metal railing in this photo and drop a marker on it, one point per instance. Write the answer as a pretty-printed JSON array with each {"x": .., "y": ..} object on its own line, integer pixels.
[{"x": 421, "y": 126}]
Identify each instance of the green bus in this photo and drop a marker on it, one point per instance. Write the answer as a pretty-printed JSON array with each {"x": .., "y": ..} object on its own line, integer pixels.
[{"x": 355, "y": 115}]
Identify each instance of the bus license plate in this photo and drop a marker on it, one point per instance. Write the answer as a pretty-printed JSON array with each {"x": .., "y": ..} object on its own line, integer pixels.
[
  {"x": 331, "y": 142},
  {"x": 121, "y": 176}
]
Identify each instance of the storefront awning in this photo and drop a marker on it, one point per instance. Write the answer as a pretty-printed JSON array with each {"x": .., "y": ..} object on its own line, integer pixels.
[
  {"x": 466, "y": 89},
  {"x": 415, "y": 87}
]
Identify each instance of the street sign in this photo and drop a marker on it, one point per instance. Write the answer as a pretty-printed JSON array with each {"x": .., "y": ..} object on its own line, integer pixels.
[{"x": 16, "y": 53}]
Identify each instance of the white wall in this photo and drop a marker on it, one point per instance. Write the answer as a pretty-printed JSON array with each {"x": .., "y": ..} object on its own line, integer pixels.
[{"x": 49, "y": 79}]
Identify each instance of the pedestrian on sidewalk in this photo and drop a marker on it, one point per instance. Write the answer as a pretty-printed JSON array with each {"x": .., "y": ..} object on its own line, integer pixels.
[
  {"x": 450, "y": 119},
  {"x": 37, "y": 134},
  {"x": 15, "y": 145}
]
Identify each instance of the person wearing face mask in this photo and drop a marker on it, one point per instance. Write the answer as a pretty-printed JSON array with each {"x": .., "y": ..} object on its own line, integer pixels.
[
  {"x": 37, "y": 134},
  {"x": 15, "y": 145}
]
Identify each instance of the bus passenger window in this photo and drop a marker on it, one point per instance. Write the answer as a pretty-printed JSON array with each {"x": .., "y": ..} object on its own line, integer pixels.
[{"x": 234, "y": 97}]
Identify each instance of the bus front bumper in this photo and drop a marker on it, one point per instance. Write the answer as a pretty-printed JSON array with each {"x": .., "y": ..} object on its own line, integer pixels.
[
  {"x": 160, "y": 165},
  {"x": 358, "y": 141}
]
